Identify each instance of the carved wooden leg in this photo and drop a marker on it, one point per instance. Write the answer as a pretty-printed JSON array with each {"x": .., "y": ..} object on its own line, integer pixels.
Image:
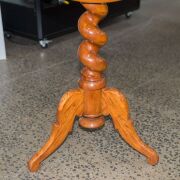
[
  {"x": 70, "y": 106},
  {"x": 116, "y": 105}
]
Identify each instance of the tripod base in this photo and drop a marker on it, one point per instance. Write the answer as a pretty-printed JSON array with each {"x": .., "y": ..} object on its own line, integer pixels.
[{"x": 113, "y": 103}]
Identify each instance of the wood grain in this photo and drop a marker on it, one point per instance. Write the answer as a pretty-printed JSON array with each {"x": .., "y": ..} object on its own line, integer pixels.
[
  {"x": 117, "y": 107},
  {"x": 92, "y": 80},
  {"x": 92, "y": 101},
  {"x": 70, "y": 105}
]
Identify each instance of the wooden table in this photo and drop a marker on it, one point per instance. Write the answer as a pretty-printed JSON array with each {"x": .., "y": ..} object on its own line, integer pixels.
[{"x": 92, "y": 100}]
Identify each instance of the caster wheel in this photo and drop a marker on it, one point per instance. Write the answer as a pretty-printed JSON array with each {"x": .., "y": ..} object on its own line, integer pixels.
[
  {"x": 44, "y": 43},
  {"x": 7, "y": 35},
  {"x": 44, "y": 46},
  {"x": 128, "y": 14}
]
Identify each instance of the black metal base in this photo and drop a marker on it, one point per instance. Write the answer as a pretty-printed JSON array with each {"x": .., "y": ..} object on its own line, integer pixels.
[{"x": 41, "y": 21}]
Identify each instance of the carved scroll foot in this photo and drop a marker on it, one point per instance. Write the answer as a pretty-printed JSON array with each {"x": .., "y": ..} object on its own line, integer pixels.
[
  {"x": 117, "y": 106},
  {"x": 70, "y": 105}
]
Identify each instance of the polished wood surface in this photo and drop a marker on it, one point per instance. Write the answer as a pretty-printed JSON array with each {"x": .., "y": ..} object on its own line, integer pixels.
[
  {"x": 92, "y": 101},
  {"x": 70, "y": 105},
  {"x": 117, "y": 106},
  {"x": 92, "y": 80},
  {"x": 96, "y": 1}
]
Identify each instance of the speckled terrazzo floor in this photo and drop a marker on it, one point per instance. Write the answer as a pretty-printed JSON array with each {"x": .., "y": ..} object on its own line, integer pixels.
[{"x": 144, "y": 62}]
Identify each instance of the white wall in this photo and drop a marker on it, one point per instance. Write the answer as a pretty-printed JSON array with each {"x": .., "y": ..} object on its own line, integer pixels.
[{"x": 2, "y": 44}]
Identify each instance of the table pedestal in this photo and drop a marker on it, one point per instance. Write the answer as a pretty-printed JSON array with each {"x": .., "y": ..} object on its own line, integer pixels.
[{"x": 92, "y": 100}]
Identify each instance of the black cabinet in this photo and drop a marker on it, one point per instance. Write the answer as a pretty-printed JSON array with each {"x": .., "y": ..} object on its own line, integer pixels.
[{"x": 41, "y": 20}]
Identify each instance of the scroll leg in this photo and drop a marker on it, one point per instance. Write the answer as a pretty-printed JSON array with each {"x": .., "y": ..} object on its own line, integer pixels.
[
  {"x": 70, "y": 106},
  {"x": 117, "y": 107}
]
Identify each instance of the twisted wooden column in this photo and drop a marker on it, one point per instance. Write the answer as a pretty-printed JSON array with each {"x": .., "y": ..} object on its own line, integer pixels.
[{"x": 92, "y": 80}]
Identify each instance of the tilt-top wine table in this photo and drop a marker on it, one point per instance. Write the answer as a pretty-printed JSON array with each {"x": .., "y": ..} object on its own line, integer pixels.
[{"x": 92, "y": 100}]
